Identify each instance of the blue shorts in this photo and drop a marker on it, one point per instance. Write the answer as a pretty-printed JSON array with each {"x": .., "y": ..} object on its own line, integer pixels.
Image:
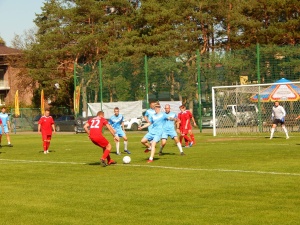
[
  {"x": 153, "y": 137},
  {"x": 5, "y": 128},
  {"x": 170, "y": 133},
  {"x": 120, "y": 133}
]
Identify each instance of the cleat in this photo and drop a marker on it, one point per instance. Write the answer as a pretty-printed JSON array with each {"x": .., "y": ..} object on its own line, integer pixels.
[
  {"x": 271, "y": 137},
  {"x": 118, "y": 153},
  {"x": 149, "y": 161},
  {"x": 186, "y": 146},
  {"x": 112, "y": 162},
  {"x": 10, "y": 145},
  {"x": 147, "y": 150},
  {"x": 191, "y": 144},
  {"x": 103, "y": 163},
  {"x": 45, "y": 152},
  {"x": 128, "y": 152},
  {"x": 182, "y": 153},
  {"x": 287, "y": 137},
  {"x": 160, "y": 153}
]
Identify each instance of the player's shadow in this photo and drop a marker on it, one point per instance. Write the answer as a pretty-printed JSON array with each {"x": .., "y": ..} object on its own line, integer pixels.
[
  {"x": 2, "y": 152},
  {"x": 167, "y": 153},
  {"x": 94, "y": 164}
]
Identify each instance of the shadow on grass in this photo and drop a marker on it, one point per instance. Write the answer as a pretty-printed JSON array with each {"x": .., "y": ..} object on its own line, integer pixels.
[{"x": 42, "y": 151}]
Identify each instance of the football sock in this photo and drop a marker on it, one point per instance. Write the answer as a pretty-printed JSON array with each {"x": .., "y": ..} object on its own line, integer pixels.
[
  {"x": 285, "y": 131},
  {"x": 118, "y": 146},
  {"x": 108, "y": 158},
  {"x": 105, "y": 154},
  {"x": 180, "y": 139},
  {"x": 272, "y": 131},
  {"x": 125, "y": 145},
  {"x": 179, "y": 146},
  {"x": 193, "y": 138},
  {"x": 45, "y": 145}
]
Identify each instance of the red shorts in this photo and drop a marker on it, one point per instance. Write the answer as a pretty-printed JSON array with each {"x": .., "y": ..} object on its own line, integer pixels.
[
  {"x": 100, "y": 141},
  {"x": 184, "y": 131},
  {"x": 46, "y": 137}
]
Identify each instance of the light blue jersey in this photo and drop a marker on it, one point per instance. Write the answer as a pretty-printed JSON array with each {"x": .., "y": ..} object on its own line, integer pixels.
[
  {"x": 4, "y": 118},
  {"x": 168, "y": 128},
  {"x": 116, "y": 123},
  {"x": 149, "y": 113},
  {"x": 157, "y": 121}
]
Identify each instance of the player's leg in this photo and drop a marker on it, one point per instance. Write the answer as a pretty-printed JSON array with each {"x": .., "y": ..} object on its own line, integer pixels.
[
  {"x": 0, "y": 137},
  {"x": 145, "y": 140},
  {"x": 285, "y": 131},
  {"x": 163, "y": 144},
  {"x": 192, "y": 137},
  {"x": 274, "y": 124},
  {"x": 48, "y": 142},
  {"x": 45, "y": 142},
  {"x": 126, "y": 144},
  {"x": 179, "y": 146}
]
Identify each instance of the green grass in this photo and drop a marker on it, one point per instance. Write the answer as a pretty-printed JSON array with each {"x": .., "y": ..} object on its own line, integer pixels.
[{"x": 221, "y": 180}]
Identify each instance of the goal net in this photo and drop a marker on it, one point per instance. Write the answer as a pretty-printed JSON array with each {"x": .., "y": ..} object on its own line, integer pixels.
[{"x": 248, "y": 108}]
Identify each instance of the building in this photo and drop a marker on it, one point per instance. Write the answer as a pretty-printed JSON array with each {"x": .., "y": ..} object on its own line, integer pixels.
[{"x": 9, "y": 79}]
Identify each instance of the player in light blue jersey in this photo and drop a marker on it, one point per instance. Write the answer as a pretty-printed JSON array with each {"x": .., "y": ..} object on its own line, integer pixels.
[
  {"x": 154, "y": 135},
  {"x": 149, "y": 113},
  {"x": 6, "y": 125},
  {"x": 117, "y": 122},
  {"x": 169, "y": 130}
]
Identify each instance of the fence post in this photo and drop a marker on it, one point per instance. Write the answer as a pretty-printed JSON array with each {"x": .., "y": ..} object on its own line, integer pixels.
[
  {"x": 199, "y": 92},
  {"x": 258, "y": 81},
  {"x": 100, "y": 81},
  {"x": 146, "y": 78}
]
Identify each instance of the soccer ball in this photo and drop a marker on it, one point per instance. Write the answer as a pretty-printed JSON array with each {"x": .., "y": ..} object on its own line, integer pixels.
[{"x": 126, "y": 159}]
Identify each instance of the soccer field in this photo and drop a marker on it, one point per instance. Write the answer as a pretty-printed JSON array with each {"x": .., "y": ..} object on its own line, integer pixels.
[{"x": 221, "y": 180}]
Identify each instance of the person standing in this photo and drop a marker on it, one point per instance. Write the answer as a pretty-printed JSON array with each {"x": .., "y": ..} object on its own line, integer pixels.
[
  {"x": 150, "y": 112},
  {"x": 154, "y": 135},
  {"x": 169, "y": 130},
  {"x": 185, "y": 127},
  {"x": 278, "y": 114},
  {"x": 93, "y": 128},
  {"x": 46, "y": 127},
  {"x": 5, "y": 125},
  {"x": 117, "y": 122}
]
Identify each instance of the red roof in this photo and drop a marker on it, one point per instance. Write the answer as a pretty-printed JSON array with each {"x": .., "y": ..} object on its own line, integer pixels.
[{"x": 9, "y": 51}]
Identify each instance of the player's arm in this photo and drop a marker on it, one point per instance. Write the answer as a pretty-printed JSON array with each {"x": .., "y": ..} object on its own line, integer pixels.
[
  {"x": 193, "y": 119},
  {"x": 39, "y": 127},
  {"x": 86, "y": 128},
  {"x": 144, "y": 126},
  {"x": 113, "y": 132},
  {"x": 122, "y": 125},
  {"x": 53, "y": 127},
  {"x": 8, "y": 125}
]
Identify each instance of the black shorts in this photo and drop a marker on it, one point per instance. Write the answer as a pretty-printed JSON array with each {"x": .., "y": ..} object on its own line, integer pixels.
[{"x": 278, "y": 121}]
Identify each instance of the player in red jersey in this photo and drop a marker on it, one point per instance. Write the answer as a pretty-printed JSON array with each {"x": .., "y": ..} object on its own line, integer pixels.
[
  {"x": 46, "y": 126},
  {"x": 93, "y": 127},
  {"x": 185, "y": 128}
]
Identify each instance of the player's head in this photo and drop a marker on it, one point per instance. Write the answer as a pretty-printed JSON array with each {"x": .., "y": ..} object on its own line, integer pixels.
[
  {"x": 157, "y": 108},
  {"x": 167, "y": 108},
  {"x": 116, "y": 111},
  {"x": 3, "y": 109},
  {"x": 182, "y": 108},
  {"x": 47, "y": 112},
  {"x": 152, "y": 105},
  {"x": 276, "y": 103},
  {"x": 100, "y": 113}
]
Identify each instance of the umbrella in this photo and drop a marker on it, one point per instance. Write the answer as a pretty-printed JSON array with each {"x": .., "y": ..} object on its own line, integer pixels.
[{"x": 281, "y": 90}]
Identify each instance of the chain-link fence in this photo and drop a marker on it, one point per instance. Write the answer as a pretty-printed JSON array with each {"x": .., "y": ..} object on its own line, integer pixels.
[{"x": 248, "y": 108}]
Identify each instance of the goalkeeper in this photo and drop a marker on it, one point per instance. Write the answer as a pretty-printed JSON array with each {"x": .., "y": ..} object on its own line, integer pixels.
[{"x": 278, "y": 114}]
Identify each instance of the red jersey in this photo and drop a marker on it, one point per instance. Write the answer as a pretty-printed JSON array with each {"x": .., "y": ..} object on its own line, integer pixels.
[
  {"x": 96, "y": 125},
  {"x": 185, "y": 118},
  {"x": 46, "y": 124}
]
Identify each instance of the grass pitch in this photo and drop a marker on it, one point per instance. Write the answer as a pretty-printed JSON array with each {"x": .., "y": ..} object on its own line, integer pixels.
[{"x": 221, "y": 180}]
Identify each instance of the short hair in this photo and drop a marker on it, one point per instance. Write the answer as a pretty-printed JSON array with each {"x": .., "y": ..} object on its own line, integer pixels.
[
  {"x": 3, "y": 107},
  {"x": 100, "y": 113},
  {"x": 116, "y": 108},
  {"x": 182, "y": 106},
  {"x": 47, "y": 110},
  {"x": 157, "y": 105}
]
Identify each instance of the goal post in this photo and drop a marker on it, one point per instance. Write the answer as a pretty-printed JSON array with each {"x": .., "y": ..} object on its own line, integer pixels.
[{"x": 247, "y": 108}]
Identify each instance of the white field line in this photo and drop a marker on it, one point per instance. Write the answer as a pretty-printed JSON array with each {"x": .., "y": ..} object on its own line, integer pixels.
[{"x": 161, "y": 167}]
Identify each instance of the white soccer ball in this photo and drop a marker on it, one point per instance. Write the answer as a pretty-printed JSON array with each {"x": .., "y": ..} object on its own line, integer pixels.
[{"x": 126, "y": 159}]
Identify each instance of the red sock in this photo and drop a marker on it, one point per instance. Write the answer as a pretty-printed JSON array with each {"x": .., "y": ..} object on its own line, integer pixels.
[
  {"x": 108, "y": 158},
  {"x": 105, "y": 154},
  {"x": 193, "y": 138},
  {"x": 186, "y": 138},
  {"x": 45, "y": 145},
  {"x": 180, "y": 139}
]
